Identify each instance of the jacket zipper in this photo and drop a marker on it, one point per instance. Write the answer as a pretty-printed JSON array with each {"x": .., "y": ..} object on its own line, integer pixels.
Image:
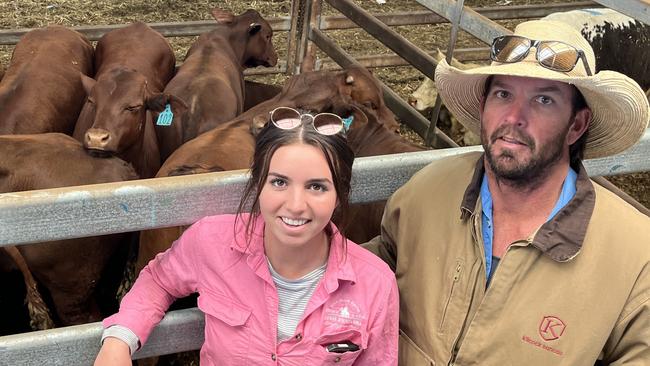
[{"x": 457, "y": 272}]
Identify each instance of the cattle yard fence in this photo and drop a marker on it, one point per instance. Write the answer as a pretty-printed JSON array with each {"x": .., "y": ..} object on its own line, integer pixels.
[{"x": 71, "y": 212}]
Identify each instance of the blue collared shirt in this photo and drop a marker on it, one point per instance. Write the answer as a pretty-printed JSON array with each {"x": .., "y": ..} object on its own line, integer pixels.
[{"x": 568, "y": 191}]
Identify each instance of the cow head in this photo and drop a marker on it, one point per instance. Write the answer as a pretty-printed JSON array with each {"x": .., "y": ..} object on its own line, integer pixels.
[
  {"x": 252, "y": 32},
  {"x": 120, "y": 103},
  {"x": 358, "y": 84}
]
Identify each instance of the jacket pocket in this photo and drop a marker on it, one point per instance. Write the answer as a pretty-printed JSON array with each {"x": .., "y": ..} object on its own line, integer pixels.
[
  {"x": 410, "y": 354},
  {"x": 458, "y": 268},
  {"x": 227, "y": 328}
]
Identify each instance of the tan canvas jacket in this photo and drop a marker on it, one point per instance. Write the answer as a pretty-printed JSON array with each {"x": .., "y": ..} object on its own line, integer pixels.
[{"x": 577, "y": 293}]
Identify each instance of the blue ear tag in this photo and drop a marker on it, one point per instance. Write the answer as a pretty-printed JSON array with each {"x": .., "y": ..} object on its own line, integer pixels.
[
  {"x": 347, "y": 122},
  {"x": 165, "y": 117}
]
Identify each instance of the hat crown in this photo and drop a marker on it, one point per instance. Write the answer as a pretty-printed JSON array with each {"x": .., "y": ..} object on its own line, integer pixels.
[{"x": 547, "y": 30}]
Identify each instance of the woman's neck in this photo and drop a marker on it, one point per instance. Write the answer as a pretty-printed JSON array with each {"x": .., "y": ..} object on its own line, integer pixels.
[{"x": 295, "y": 262}]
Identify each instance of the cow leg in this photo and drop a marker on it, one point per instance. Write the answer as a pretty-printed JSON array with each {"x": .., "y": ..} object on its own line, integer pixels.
[
  {"x": 70, "y": 269},
  {"x": 39, "y": 313}
]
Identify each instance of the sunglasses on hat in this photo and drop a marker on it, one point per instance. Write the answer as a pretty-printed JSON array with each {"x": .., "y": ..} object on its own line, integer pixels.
[
  {"x": 324, "y": 123},
  {"x": 553, "y": 55}
]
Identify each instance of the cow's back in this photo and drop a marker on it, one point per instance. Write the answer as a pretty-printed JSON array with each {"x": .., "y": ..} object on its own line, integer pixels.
[
  {"x": 41, "y": 90},
  {"x": 54, "y": 160}
]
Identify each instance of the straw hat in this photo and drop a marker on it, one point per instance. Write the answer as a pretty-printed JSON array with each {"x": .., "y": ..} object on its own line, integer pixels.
[{"x": 619, "y": 107}]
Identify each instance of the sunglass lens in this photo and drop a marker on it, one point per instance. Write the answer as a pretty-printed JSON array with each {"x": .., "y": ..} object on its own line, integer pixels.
[
  {"x": 328, "y": 124},
  {"x": 509, "y": 49},
  {"x": 557, "y": 56},
  {"x": 286, "y": 118}
]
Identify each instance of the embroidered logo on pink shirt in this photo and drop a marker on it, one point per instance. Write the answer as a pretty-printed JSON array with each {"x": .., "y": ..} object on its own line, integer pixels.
[{"x": 343, "y": 313}]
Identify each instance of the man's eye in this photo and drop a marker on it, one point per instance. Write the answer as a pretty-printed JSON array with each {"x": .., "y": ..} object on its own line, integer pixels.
[
  {"x": 501, "y": 94},
  {"x": 543, "y": 99}
]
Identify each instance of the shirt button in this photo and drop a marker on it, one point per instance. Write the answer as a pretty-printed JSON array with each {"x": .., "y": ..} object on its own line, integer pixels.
[
  {"x": 338, "y": 359},
  {"x": 299, "y": 336},
  {"x": 273, "y": 356}
]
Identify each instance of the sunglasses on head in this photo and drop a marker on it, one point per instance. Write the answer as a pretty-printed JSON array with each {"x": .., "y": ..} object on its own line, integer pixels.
[
  {"x": 553, "y": 55},
  {"x": 324, "y": 123}
]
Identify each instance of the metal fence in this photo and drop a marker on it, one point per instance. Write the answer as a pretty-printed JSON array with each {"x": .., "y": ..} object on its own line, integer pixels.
[{"x": 36, "y": 216}]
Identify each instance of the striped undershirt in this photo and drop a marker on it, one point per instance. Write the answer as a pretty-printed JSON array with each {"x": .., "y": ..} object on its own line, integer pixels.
[{"x": 293, "y": 296}]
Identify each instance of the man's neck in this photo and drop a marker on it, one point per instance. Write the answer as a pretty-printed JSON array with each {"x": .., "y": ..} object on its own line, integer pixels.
[{"x": 518, "y": 210}]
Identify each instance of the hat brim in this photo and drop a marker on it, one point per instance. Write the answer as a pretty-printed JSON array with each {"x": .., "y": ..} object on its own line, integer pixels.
[{"x": 619, "y": 107}]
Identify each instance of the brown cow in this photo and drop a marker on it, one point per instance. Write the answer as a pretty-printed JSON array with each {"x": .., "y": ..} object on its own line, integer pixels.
[
  {"x": 68, "y": 269},
  {"x": 256, "y": 93},
  {"x": 211, "y": 80},
  {"x": 41, "y": 90},
  {"x": 230, "y": 146},
  {"x": 134, "y": 64}
]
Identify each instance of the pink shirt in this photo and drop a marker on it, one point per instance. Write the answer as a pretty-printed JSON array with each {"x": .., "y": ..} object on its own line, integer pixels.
[{"x": 355, "y": 301}]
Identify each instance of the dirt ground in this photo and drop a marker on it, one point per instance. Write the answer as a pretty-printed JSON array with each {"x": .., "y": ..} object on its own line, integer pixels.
[{"x": 404, "y": 80}]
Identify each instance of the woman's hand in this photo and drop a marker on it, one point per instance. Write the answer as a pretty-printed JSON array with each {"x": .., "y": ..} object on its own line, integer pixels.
[{"x": 114, "y": 352}]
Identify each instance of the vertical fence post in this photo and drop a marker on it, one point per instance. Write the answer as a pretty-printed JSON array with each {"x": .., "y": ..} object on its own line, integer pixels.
[
  {"x": 430, "y": 138},
  {"x": 309, "y": 60}
]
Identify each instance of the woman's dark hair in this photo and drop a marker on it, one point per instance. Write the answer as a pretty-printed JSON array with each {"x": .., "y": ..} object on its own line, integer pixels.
[{"x": 338, "y": 154}]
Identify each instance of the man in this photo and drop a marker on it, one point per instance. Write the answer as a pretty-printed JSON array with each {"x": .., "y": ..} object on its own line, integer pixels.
[{"x": 514, "y": 257}]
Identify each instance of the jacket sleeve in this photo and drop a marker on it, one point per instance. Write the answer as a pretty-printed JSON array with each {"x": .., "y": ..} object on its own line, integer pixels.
[
  {"x": 384, "y": 245},
  {"x": 629, "y": 342},
  {"x": 384, "y": 333},
  {"x": 168, "y": 276}
]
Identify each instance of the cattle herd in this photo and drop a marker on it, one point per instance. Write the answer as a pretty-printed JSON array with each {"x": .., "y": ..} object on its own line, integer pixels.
[{"x": 73, "y": 115}]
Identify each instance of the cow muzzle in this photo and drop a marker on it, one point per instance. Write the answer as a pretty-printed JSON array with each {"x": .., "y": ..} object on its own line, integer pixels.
[{"x": 98, "y": 140}]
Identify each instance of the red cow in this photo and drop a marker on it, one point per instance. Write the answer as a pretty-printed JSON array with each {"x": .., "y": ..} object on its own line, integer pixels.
[
  {"x": 256, "y": 93},
  {"x": 230, "y": 146},
  {"x": 211, "y": 80},
  {"x": 134, "y": 64},
  {"x": 41, "y": 90},
  {"x": 68, "y": 269}
]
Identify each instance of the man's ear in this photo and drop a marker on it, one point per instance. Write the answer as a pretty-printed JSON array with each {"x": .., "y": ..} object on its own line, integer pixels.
[{"x": 579, "y": 125}]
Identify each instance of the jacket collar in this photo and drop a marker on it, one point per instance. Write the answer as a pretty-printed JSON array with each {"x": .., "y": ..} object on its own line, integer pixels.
[
  {"x": 560, "y": 238},
  {"x": 338, "y": 265}
]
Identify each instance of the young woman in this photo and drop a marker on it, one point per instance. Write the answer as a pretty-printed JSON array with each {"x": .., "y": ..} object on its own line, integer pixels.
[{"x": 281, "y": 285}]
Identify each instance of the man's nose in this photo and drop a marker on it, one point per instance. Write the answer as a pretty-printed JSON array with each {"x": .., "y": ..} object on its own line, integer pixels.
[{"x": 516, "y": 113}]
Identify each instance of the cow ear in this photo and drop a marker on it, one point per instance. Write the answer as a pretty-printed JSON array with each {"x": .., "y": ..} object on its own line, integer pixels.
[
  {"x": 222, "y": 16},
  {"x": 88, "y": 83},
  {"x": 258, "y": 123},
  {"x": 254, "y": 28},
  {"x": 157, "y": 102}
]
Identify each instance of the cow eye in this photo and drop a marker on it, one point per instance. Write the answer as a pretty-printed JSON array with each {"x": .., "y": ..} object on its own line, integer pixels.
[
  {"x": 370, "y": 105},
  {"x": 133, "y": 108}
]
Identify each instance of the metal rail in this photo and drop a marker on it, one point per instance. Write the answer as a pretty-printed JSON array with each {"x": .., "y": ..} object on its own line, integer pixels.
[{"x": 42, "y": 215}]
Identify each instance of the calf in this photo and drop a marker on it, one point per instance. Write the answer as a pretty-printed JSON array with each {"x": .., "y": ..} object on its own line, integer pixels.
[
  {"x": 620, "y": 43},
  {"x": 68, "y": 269},
  {"x": 41, "y": 90},
  {"x": 134, "y": 64},
  {"x": 211, "y": 79},
  {"x": 256, "y": 93}
]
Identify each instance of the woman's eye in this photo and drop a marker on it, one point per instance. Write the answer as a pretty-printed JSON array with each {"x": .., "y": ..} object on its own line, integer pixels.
[
  {"x": 277, "y": 182},
  {"x": 543, "y": 99},
  {"x": 317, "y": 187}
]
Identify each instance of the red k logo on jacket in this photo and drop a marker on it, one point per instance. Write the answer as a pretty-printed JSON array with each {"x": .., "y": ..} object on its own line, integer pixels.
[{"x": 551, "y": 328}]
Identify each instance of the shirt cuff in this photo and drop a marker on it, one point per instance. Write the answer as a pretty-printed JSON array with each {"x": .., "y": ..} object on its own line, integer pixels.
[{"x": 124, "y": 334}]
